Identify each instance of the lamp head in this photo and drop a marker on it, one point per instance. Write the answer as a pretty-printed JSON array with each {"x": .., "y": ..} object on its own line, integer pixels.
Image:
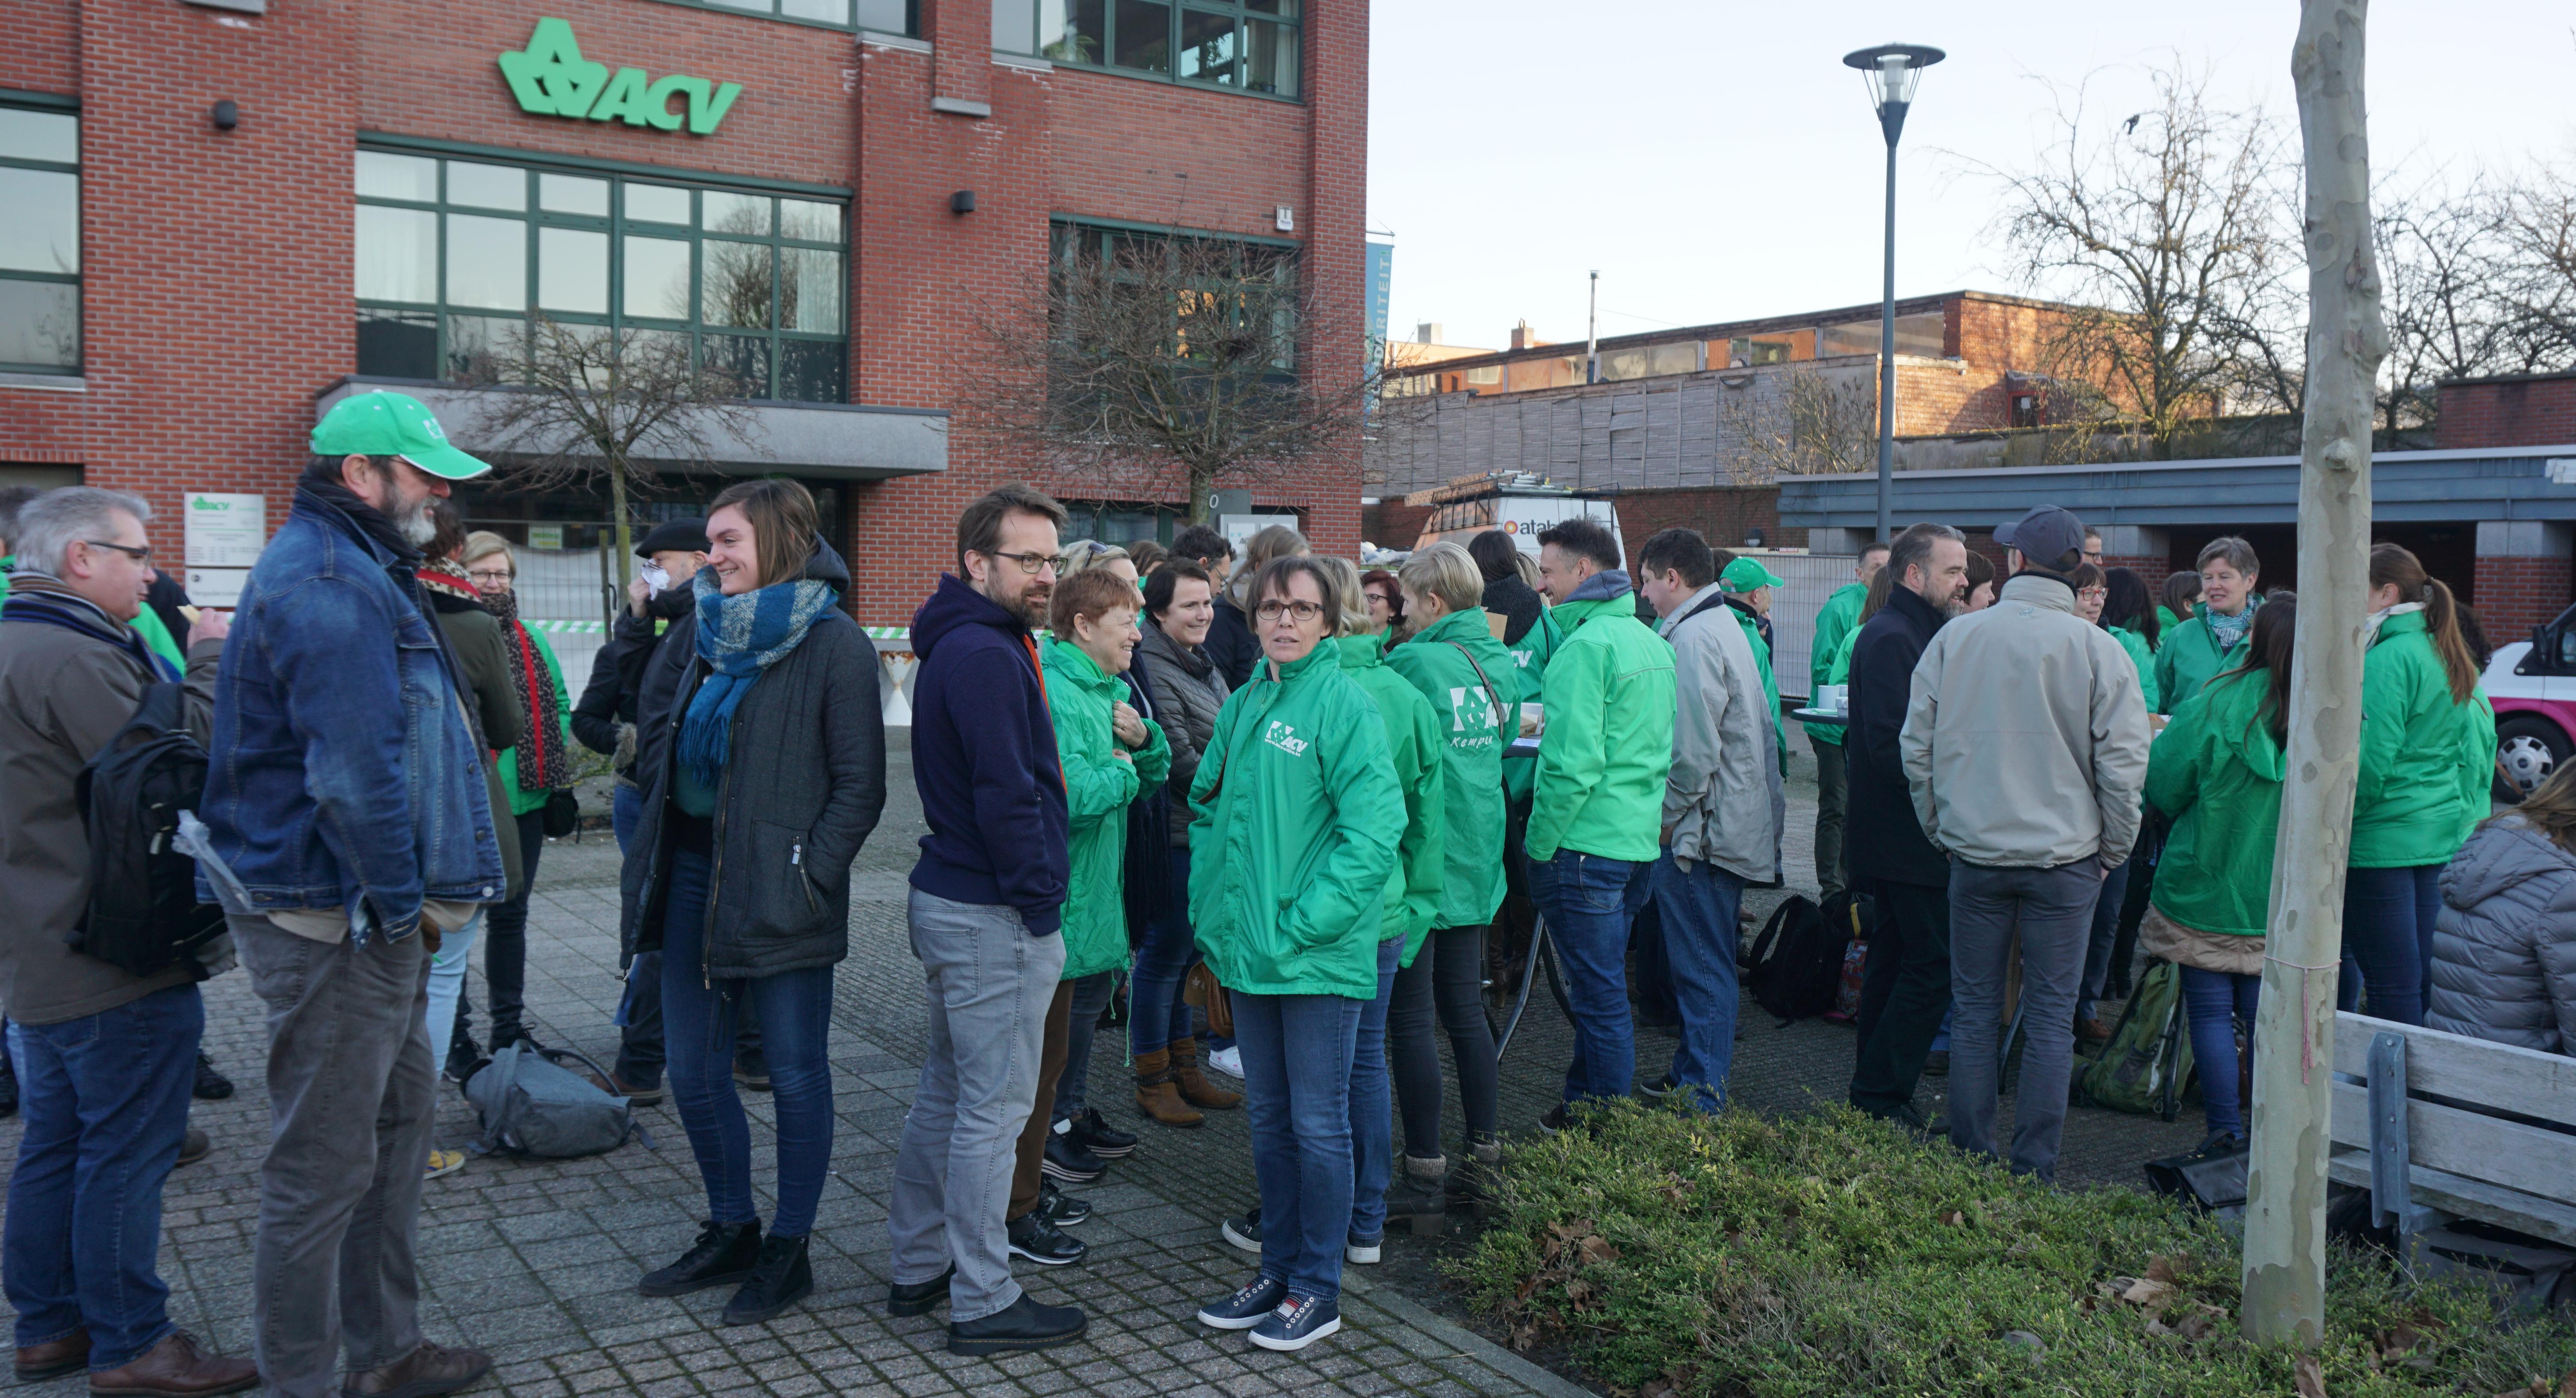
[{"x": 1891, "y": 71}]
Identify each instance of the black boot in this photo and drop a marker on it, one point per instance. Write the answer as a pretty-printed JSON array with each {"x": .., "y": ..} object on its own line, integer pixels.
[
  {"x": 212, "y": 1086},
  {"x": 778, "y": 1280},
  {"x": 1418, "y": 1199},
  {"x": 723, "y": 1254}
]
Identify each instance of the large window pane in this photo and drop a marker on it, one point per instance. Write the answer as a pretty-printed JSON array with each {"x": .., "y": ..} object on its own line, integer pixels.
[
  {"x": 1144, "y": 38},
  {"x": 744, "y": 359},
  {"x": 382, "y": 176},
  {"x": 736, "y": 289},
  {"x": 27, "y": 135},
  {"x": 1079, "y": 32},
  {"x": 655, "y": 203},
  {"x": 572, "y": 270},
  {"x": 486, "y": 186},
  {"x": 808, "y": 221},
  {"x": 1015, "y": 26},
  {"x": 487, "y": 262},
  {"x": 813, "y": 371},
  {"x": 809, "y": 290},
  {"x": 572, "y": 194},
  {"x": 828, "y": 11},
  {"x": 398, "y": 344},
  {"x": 40, "y": 324},
  {"x": 39, "y": 220},
  {"x": 657, "y": 278},
  {"x": 886, "y": 16},
  {"x": 1270, "y": 57},
  {"x": 397, "y": 254},
  {"x": 737, "y": 213},
  {"x": 1207, "y": 47},
  {"x": 485, "y": 349}
]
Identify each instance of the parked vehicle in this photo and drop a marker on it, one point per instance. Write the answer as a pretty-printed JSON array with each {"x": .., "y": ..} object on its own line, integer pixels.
[
  {"x": 1516, "y": 502},
  {"x": 2533, "y": 687}
]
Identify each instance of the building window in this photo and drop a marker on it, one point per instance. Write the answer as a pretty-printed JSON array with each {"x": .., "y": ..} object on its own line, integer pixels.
[
  {"x": 40, "y": 241},
  {"x": 1213, "y": 287},
  {"x": 1250, "y": 45},
  {"x": 453, "y": 254},
  {"x": 881, "y": 16}
]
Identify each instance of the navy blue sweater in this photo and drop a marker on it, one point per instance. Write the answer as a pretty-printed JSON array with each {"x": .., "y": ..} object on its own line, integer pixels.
[{"x": 984, "y": 759}]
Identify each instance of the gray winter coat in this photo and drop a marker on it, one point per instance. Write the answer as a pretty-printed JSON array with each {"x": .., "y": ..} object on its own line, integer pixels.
[
  {"x": 2504, "y": 947},
  {"x": 1187, "y": 693},
  {"x": 1724, "y": 800}
]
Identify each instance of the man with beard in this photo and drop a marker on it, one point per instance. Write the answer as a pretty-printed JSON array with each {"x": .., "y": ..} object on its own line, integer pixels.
[
  {"x": 347, "y": 824},
  {"x": 987, "y": 901},
  {"x": 1906, "y": 987}
]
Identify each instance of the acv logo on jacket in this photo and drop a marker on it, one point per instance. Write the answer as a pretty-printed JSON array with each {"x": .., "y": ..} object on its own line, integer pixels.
[{"x": 1283, "y": 736}]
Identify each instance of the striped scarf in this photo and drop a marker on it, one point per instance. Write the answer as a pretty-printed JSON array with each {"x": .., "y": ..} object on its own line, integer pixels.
[{"x": 543, "y": 764}]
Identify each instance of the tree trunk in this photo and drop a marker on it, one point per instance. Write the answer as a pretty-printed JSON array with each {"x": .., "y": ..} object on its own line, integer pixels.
[
  {"x": 625, "y": 534},
  {"x": 2285, "y": 1223},
  {"x": 1202, "y": 497}
]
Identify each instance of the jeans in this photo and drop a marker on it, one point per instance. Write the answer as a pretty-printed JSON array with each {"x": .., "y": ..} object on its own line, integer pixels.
[
  {"x": 1700, "y": 942},
  {"x": 2214, "y": 1001},
  {"x": 796, "y": 1010},
  {"x": 2388, "y": 939},
  {"x": 1904, "y": 994},
  {"x": 1446, "y": 981},
  {"x": 2106, "y": 932},
  {"x": 1156, "y": 1014},
  {"x": 1833, "y": 797},
  {"x": 989, "y": 984},
  {"x": 1082, "y": 1024},
  {"x": 639, "y": 1013},
  {"x": 350, "y": 1097},
  {"x": 505, "y": 945},
  {"x": 1028, "y": 1170},
  {"x": 1372, "y": 1113},
  {"x": 1588, "y": 901},
  {"x": 625, "y": 807},
  {"x": 2053, "y": 910},
  {"x": 105, "y": 1098},
  {"x": 447, "y": 984},
  {"x": 1297, "y": 1052}
]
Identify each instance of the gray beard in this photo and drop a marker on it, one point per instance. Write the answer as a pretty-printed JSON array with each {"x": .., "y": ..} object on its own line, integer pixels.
[{"x": 416, "y": 526}]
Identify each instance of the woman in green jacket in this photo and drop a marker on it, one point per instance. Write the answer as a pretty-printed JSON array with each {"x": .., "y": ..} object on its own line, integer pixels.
[
  {"x": 2427, "y": 747},
  {"x": 1298, "y": 820},
  {"x": 2127, "y": 610},
  {"x": 2198, "y": 648},
  {"x": 2216, "y": 773}
]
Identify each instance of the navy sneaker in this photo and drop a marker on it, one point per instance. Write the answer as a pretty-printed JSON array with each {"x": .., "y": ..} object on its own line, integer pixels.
[
  {"x": 1097, "y": 1136},
  {"x": 1298, "y": 1322},
  {"x": 1258, "y": 1301},
  {"x": 1041, "y": 1242},
  {"x": 1059, "y": 1208},
  {"x": 1065, "y": 1159},
  {"x": 1245, "y": 1232}
]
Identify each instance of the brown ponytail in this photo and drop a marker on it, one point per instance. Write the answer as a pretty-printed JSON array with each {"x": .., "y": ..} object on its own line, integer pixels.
[{"x": 2392, "y": 564}]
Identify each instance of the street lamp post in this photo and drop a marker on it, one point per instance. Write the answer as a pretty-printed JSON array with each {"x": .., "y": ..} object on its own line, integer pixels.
[
  {"x": 1891, "y": 71},
  {"x": 1592, "y": 332}
]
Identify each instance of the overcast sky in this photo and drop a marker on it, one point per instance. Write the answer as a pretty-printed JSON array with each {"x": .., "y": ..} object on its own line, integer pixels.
[{"x": 1715, "y": 161}]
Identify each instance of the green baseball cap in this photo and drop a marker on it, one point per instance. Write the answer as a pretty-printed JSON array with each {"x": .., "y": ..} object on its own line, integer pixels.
[
  {"x": 1746, "y": 574},
  {"x": 392, "y": 424}
]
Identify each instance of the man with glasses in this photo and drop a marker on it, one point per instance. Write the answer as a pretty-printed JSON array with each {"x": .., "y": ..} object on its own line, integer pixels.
[{"x": 987, "y": 897}]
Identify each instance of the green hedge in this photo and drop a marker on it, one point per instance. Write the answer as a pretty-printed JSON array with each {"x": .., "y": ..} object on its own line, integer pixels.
[{"x": 1831, "y": 1255}]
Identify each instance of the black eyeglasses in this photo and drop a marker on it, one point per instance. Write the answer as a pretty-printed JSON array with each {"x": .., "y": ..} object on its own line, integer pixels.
[
  {"x": 139, "y": 555},
  {"x": 1273, "y": 610},
  {"x": 1033, "y": 563}
]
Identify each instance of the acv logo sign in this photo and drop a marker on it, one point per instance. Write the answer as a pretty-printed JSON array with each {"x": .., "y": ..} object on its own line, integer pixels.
[{"x": 551, "y": 78}]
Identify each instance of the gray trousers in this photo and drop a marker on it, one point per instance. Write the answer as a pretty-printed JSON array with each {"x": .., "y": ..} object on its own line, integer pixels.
[
  {"x": 2054, "y": 910},
  {"x": 990, "y": 984},
  {"x": 350, "y": 1098}
]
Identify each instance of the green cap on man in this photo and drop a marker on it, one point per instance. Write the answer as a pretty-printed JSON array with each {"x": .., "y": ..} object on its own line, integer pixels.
[
  {"x": 1745, "y": 574},
  {"x": 392, "y": 424}
]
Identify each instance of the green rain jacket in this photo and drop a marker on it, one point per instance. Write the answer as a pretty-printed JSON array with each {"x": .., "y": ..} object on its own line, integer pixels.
[
  {"x": 1413, "y": 740},
  {"x": 1097, "y": 789},
  {"x": 1840, "y": 617},
  {"x": 2216, "y": 774},
  {"x": 522, "y": 802},
  {"x": 2424, "y": 762},
  {"x": 1472, "y": 723},
  {"x": 1530, "y": 657},
  {"x": 1298, "y": 817},
  {"x": 2144, "y": 657},
  {"x": 1608, "y": 747},
  {"x": 2188, "y": 656},
  {"x": 1770, "y": 682}
]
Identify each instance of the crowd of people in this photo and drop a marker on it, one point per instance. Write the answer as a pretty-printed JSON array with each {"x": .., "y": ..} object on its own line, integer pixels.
[{"x": 1278, "y": 802}]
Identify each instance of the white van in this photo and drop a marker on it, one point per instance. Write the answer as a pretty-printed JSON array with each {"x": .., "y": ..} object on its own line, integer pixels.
[{"x": 1516, "y": 502}]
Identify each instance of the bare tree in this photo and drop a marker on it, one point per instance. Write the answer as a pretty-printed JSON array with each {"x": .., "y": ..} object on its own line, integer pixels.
[
  {"x": 1156, "y": 361},
  {"x": 2444, "y": 255},
  {"x": 1811, "y": 424},
  {"x": 2537, "y": 228},
  {"x": 603, "y": 406}
]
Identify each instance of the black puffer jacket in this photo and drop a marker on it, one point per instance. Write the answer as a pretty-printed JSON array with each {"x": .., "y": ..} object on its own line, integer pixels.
[
  {"x": 1187, "y": 694},
  {"x": 2504, "y": 947},
  {"x": 1231, "y": 644},
  {"x": 801, "y": 792}
]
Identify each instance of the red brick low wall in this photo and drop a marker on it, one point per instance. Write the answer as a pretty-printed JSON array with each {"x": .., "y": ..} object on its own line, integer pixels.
[{"x": 2517, "y": 594}]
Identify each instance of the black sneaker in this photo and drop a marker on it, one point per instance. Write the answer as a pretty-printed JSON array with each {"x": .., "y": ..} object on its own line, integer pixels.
[
  {"x": 1059, "y": 1208},
  {"x": 1256, "y": 1302},
  {"x": 1100, "y": 1138},
  {"x": 919, "y": 1298},
  {"x": 1024, "y": 1324},
  {"x": 1557, "y": 1119},
  {"x": 1244, "y": 1232},
  {"x": 463, "y": 1057},
  {"x": 195, "y": 1146},
  {"x": 1654, "y": 1091},
  {"x": 2220, "y": 1143},
  {"x": 1300, "y": 1321},
  {"x": 723, "y": 1255},
  {"x": 751, "y": 1073},
  {"x": 1041, "y": 1242},
  {"x": 211, "y": 1085},
  {"x": 1066, "y": 1160},
  {"x": 1936, "y": 1064},
  {"x": 778, "y": 1280}
]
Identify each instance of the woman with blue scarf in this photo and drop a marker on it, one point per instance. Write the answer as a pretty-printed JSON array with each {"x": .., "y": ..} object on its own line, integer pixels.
[{"x": 760, "y": 753}]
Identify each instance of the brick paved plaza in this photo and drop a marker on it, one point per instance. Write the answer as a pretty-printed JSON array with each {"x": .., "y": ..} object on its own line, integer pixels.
[{"x": 537, "y": 1261}]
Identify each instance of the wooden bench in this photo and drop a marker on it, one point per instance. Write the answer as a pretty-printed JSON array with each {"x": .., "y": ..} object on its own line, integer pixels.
[{"x": 2427, "y": 1122}]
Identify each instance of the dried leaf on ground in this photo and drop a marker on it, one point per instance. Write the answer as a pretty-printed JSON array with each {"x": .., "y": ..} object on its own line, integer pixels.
[
  {"x": 2147, "y": 1291},
  {"x": 2161, "y": 1269},
  {"x": 2311, "y": 1379},
  {"x": 1952, "y": 1218},
  {"x": 1598, "y": 1249}
]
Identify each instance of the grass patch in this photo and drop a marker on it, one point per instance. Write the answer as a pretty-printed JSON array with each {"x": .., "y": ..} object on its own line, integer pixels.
[{"x": 1675, "y": 1254}]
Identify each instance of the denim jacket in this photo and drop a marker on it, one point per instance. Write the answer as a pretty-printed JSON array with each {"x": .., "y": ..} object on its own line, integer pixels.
[{"x": 343, "y": 774}]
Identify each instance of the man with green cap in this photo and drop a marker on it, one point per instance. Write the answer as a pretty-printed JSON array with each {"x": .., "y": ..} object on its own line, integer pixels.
[
  {"x": 346, "y": 825},
  {"x": 1747, "y": 585}
]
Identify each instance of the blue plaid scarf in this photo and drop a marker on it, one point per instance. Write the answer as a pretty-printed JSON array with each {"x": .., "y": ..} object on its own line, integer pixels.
[{"x": 739, "y": 637}]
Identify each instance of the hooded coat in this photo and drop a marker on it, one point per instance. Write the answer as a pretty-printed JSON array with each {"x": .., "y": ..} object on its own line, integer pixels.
[
  {"x": 1413, "y": 743},
  {"x": 984, "y": 761},
  {"x": 2216, "y": 774},
  {"x": 1460, "y": 667},
  {"x": 2504, "y": 946},
  {"x": 1724, "y": 798},
  {"x": 2426, "y": 758},
  {"x": 2188, "y": 655},
  {"x": 1098, "y": 786},
  {"x": 1608, "y": 747}
]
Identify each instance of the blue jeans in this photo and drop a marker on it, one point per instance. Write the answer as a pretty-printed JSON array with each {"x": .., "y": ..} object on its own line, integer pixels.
[
  {"x": 625, "y": 807},
  {"x": 106, "y": 1104},
  {"x": 796, "y": 1018},
  {"x": 1373, "y": 1103},
  {"x": 1588, "y": 902},
  {"x": 2388, "y": 939},
  {"x": 1073, "y": 1085},
  {"x": 2106, "y": 931},
  {"x": 2213, "y": 1001},
  {"x": 1155, "y": 1013},
  {"x": 447, "y": 985},
  {"x": 1297, "y": 1096},
  {"x": 1700, "y": 943}
]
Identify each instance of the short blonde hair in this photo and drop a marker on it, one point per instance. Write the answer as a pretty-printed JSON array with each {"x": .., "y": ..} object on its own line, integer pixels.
[
  {"x": 483, "y": 543},
  {"x": 1347, "y": 594},
  {"x": 1448, "y": 572},
  {"x": 1084, "y": 554}
]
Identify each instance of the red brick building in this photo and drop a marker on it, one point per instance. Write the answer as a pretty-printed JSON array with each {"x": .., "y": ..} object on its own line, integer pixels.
[{"x": 231, "y": 211}]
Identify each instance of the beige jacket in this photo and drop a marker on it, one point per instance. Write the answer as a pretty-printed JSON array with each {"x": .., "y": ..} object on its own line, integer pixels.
[{"x": 2025, "y": 742}]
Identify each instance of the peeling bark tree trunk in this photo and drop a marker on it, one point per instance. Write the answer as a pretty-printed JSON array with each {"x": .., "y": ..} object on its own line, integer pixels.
[{"x": 2285, "y": 1224}]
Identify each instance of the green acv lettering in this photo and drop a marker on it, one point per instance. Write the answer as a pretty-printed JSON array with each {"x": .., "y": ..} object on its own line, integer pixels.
[{"x": 551, "y": 78}]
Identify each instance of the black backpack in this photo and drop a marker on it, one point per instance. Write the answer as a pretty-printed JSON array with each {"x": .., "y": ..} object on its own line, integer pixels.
[
  {"x": 143, "y": 914},
  {"x": 1797, "y": 960}
]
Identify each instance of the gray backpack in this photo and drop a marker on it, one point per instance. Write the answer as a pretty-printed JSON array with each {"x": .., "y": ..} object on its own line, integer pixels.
[{"x": 532, "y": 1105}]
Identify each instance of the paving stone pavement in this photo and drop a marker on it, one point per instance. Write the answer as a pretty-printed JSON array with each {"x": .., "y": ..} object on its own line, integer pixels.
[{"x": 537, "y": 1261}]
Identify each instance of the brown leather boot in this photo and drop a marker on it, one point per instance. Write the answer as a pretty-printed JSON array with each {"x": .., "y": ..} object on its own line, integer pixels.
[
  {"x": 1195, "y": 1088},
  {"x": 1156, "y": 1097},
  {"x": 176, "y": 1368},
  {"x": 424, "y": 1373},
  {"x": 53, "y": 1358}
]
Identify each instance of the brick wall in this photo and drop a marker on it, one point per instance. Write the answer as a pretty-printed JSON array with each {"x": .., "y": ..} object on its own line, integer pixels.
[
  {"x": 2517, "y": 594},
  {"x": 2534, "y": 410}
]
